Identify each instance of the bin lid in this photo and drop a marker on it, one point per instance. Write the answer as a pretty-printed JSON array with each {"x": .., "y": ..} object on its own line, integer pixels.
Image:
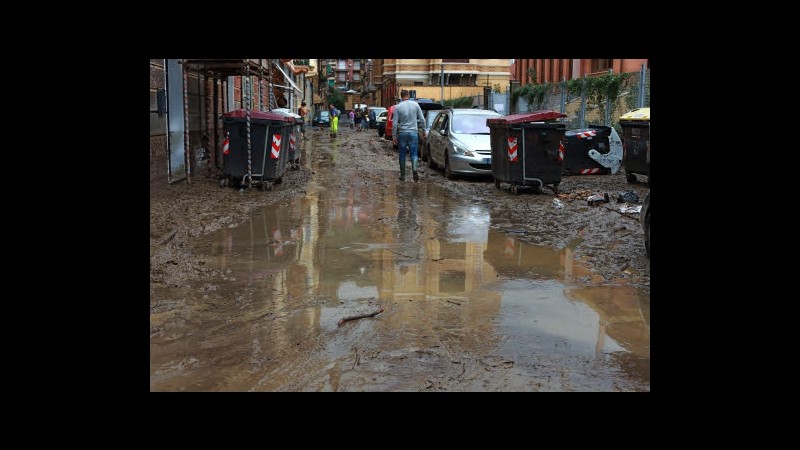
[
  {"x": 637, "y": 114},
  {"x": 263, "y": 115},
  {"x": 534, "y": 116}
]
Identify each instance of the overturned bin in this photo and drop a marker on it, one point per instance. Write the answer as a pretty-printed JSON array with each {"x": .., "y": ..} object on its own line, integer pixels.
[
  {"x": 636, "y": 144},
  {"x": 596, "y": 150},
  {"x": 294, "y": 135},
  {"x": 266, "y": 161},
  {"x": 527, "y": 150}
]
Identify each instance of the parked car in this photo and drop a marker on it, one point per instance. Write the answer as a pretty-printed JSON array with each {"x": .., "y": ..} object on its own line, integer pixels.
[
  {"x": 388, "y": 128},
  {"x": 381, "y": 123},
  {"x": 645, "y": 220},
  {"x": 321, "y": 119},
  {"x": 429, "y": 111},
  {"x": 374, "y": 112},
  {"x": 459, "y": 142}
]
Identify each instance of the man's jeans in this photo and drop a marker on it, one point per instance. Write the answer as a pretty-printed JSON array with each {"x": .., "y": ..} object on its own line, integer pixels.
[{"x": 408, "y": 139}]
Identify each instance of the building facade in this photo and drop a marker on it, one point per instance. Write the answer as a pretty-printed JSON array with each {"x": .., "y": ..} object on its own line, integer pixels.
[
  {"x": 555, "y": 70},
  {"x": 442, "y": 79}
]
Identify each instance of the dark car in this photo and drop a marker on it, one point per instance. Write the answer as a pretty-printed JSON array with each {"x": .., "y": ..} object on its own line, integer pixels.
[
  {"x": 429, "y": 111},
  {"x": 381, "y": 122},
  {"x": 645, "y": 219},
  {"x": 321, "y": 119}
]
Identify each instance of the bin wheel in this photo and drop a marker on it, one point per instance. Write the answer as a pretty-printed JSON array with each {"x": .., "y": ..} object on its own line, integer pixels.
[
  {"x": 514, "y": 190},
  {"x": 537, "y": 188},
  {"x": 266, "y": 186},
  {"x": 248, "y": 184},
  {"x": 279, "y": 180},
  {"x": 223, "y": 182},
  {"x": 555, "y": 189},
  {"x": 447, "y": 172},
  {"x": 630, "y": 178},
  {"x": 496, "y": 183}
]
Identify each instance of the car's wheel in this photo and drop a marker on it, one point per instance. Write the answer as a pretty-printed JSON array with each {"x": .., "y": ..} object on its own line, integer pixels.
[
  {"x": 431, "y": 164},
  {"x": 447, "y": 172},
  {"x": 514, "y": 190}
]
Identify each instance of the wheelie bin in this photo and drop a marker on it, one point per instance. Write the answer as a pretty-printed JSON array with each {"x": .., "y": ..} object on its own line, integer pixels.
[
  {"x": 527, "y": 150},
  {"x": 596, "y": 150},
  {"x": 269, "y": 148},
  {"x": 636, "y": 144}
]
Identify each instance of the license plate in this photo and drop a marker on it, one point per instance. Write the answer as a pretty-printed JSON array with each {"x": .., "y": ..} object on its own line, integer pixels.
[{"x": 487, "y": 160}]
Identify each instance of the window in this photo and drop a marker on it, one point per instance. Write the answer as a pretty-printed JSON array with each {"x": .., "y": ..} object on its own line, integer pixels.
[
  {"x": 340, "y": 76},
  {"x": 412, "y": 93},
  {"x": 341, "y": 65},
  {"x": 600, "y": 65},
  {"x": 356, "y": 65},
  {"x": 356, "y": 76},
  {"x": 418, "y": 83}
]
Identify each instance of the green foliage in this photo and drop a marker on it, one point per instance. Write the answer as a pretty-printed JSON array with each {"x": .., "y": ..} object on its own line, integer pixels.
[
  {"x": 460, "y": 102},
  {"x": 337, "y": 99},
  {"x": 534, "y": 94}
]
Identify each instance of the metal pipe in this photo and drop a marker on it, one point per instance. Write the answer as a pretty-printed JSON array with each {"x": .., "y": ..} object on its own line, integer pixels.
[
  {"x": 563, "y": 94},
  {"x": 608, "y": 103},
  {"x": 272, "y": 82},
  {"x": 216, "y": 117},
  {"x": 583, "y": 102},
  {"x": 209, "y": 146},
  {"x": 186, "y": 159},
  {"x": 642, "y": 86},
  {"x": 441, "y": 78},
  {"x": 249, "y": 143}
]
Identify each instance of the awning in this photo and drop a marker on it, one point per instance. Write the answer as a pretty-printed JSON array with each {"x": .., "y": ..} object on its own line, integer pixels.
[{"x": 287, "y": 77}]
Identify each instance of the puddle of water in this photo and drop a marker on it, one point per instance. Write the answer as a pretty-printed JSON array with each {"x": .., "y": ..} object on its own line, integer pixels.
[{"x": 428, "y": 258}]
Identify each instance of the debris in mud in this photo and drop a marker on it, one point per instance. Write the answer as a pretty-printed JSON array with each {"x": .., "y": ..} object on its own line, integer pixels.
[
  {"x": 597, "y": 199},
  {"x": 628, "y": 197},
  {"x": 575, "y": 195},
  {"x": 360, "y": 316},
  {"x": 557, "y": 203},
  {"x": 630, "y": 209}
]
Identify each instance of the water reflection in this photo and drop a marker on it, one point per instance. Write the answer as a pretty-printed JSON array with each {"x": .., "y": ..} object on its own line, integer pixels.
[{"x": 428, "y": 258}]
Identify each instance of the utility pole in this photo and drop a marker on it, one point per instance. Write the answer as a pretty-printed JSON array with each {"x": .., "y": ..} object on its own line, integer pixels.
[{"x": 441, "y": 78}]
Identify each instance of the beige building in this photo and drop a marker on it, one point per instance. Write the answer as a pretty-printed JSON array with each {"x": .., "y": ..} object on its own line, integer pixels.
[{"x": 442, "y": 79}]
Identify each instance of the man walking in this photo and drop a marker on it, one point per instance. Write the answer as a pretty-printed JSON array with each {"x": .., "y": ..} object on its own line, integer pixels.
[{"x": 407, "y": 118}]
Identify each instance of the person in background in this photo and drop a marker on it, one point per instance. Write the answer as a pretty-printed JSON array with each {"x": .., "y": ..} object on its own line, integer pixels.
[
  {"x": 352, "y": 118},
  {"x": 334, "y": 120},
  {"x": 406, "y": 121},
  {"x": 372, "y": 118},
  {"x": 302, "y": 111}
]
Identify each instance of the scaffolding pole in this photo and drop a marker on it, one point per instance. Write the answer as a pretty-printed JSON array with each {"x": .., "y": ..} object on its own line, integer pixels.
[
  {"x": 186, "y": 159},
  {"x": 247, "y": 116}
]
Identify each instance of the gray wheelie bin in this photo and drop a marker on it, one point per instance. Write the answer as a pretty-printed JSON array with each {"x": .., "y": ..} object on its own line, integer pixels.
[
  {"x": 527, "y": 150},
  {"x": 269, "y": 148}
]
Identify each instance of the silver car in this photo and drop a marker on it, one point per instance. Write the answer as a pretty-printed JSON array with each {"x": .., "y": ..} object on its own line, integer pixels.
[{"x": 459, "y": 141}]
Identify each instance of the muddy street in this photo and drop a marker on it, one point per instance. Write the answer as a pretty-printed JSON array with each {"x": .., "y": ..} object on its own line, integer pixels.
[{"x": 475, "y": 289}]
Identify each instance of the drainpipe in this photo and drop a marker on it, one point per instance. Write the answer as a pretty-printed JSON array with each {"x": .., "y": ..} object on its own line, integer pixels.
[{"x": 186, "y": 159}]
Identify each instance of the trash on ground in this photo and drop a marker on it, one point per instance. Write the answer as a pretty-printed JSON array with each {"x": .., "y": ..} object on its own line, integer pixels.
[
  {"x": 597, "y": 198},
  {"x": 557, "y": 203},
  {"x": 630, "y": 209},
  {"x": 628, "y": 197}
]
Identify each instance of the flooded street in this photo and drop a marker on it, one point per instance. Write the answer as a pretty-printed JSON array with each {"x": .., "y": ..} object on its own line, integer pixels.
[{"x": 479, "y": 291}]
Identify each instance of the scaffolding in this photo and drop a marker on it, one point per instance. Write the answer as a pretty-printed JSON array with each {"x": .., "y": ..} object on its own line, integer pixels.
[{"x": 218, "y": 70}]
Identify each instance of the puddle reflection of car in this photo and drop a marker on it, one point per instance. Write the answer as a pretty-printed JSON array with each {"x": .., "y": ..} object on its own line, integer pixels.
[
  {"x": 645, "y": 219},
  {"x": 321, "y": 119},
  {"x": 459, "y": 141}
]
